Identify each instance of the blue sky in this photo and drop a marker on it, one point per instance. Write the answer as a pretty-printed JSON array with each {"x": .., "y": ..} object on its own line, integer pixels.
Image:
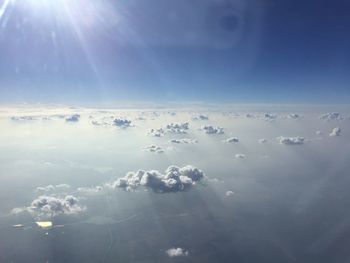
[{"x": 239, "y": 51}]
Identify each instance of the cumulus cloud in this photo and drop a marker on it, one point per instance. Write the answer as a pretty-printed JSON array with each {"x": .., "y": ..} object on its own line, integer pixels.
[
  {"x": 157, "y": 132},
  {"x": 154, "y": 149},
  {"x": 200, "y": 117},
  {"x": 293, "y": 116},
  {"x": 175, "y": 179},
  {"x": 73, "y": 118},
  {"x": 319, "y": 133},
  {"x": 291, "y": 140},
  {"x": 331, "y": 116},
  {"x": 184, "y": 140},
  {"x": 49, "y": 206},
  {"x": 177, "y": 128},
  {"x": 177, "y": 252},
  {"x": 122, "y": 123},
  {"x": 335, "y": 132},
  {"x": 232, "y": 140},
  {"x": 270, "y": 117},
  {"x": 212, "y": 130}
]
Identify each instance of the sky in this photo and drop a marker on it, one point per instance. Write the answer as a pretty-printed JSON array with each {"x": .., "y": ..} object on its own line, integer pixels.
[{"x": 198, "y": 50}]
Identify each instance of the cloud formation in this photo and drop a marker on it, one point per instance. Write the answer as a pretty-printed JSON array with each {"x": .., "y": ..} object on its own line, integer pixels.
[
  {"x": 331, "y": 116},
  {"x": 177, "y": 128},
  {"x": 200, "y": 117},
  {"x": 175, "y": 179},
  {"x": 240, "y": 156},
  {"x": 212, "y": 130},
  {"x": 52, "y": 188},
  {"x": 184, "y": 140},
  {"x": 335, "y": 132},
  {"x": 154, "y": 149},
  {"x": 177, "y": 252},
  {"x": 50, "y": 206},
  {"x": 232, "y": 140},
  {"x": 73, "y": 118},
  {"x": 122, "y": 123},
  {"x": 291, "y": 140}
]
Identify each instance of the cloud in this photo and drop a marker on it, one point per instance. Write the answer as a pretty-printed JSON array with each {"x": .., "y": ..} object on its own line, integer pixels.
[
  {"x": 73, "y": 118},
  {"x": 52, "y": 188},
  {"x": 177, "y": 128},
  {"x": 122, "y": 123},
  {"x": 212, "y": 130},
  {"x": 174, "y": 128},
  {"x": 184, "y": 140},
  {"x": 200, "y": 117},
  {"x": 177, "y": 252},
  {"x": 49, "y": 206},
  {"x": 240, "y": 156},
  {"x": 232, "y": 140},
  {"x": 95, "y": 190},
  {"x": 335, "y": 132},
  {"x": 291, "y": 140},
  {"x": 293, "y": 116},
  {"x": 319, "y": 133},
  {"x": 174, "y": 179},
  {"x": 331, "y": 116},
  {"x": 262, "y": 140},
  {"x": 270, "y": 117},
  {"x": 154, "y": 149},
  {"x": 229, "y": 193}
]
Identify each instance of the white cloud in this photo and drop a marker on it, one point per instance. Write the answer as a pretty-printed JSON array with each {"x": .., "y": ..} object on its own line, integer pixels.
[
  {"x": 232, "y": 140},
  {"x": 229, "y": 193},
  {"x": 184, "y": 140},
  {"x": 335, "y": 132},
  {"x": 331, "y": 116},
  {"x": 177, "y": 252},
  {"x": 212, "y": 130},
  {"x": 95, "y": 190},
  {"x": 240, "y": 156},
  {"x": 49, "y": 206},
  {"x": 262, "y": 140},
  {"x": 174, "y": 179},
  {"x": 291, "y": 140},
  {"x": 157, "y": 132},
  {"x": 293, "y": 116},
  {"x": 154, "y": 149},
  {"x": 200, "y": 117},
  {"x": 319, "y": 133},
  {"x": 177, "y": 128},
  {"x": 52, "y": 188}
]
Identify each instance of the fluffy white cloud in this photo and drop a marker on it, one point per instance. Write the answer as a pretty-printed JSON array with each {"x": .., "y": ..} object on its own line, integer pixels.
[
  {"x": 177, "y": 252},
  {"x": 212, "y": 130},
  {"x": 73, "y": 118},
  {"x": 174, "y": 179},
  {"x": 177, "y": 128},
  {"x": 335, "y": 132},
  {"x": 293, "y": 116},
  {"x": 122, "y": 123},
  {"x": 232, "y": 140},
  {"x": 95, "y": 190},
  {"x": 49, "y": 206},
  {"x": 184, "y": 140},
  {"x": 291, "y": 140},
  {"x": 270, "y": 117},
  {"x": 157, "y": 132},
  {"x": 154, "y": 149}
]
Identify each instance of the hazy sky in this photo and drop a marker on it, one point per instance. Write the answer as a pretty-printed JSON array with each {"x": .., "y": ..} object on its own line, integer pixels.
[{"x": 206, "y": 50}]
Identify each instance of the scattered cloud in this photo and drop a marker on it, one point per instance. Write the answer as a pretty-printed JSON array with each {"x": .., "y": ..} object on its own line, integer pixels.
[
  {"x": 177, "y": 252},
  {"x": 154, "y": 149},
  {"x": 177, "y": 128},
  {"x": 52, "y": 188},
  {"x": 291, "y": 140},
  {"x": 262, "y": 140},
  {"x": 122, "y": 123},
  {"x": 331, "y": 116},
  {"x": 232, "y": 140},
  {"x": 229, "y": 193},
  {"x": 212, "y": 130},
  {"x": 175, "y": 179},
  {"x": 184, "y": 140},
  {"x": 200, "y": 117},
  {"x": 90, "y": 191},
  {"x": 335, "y": 132}
]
